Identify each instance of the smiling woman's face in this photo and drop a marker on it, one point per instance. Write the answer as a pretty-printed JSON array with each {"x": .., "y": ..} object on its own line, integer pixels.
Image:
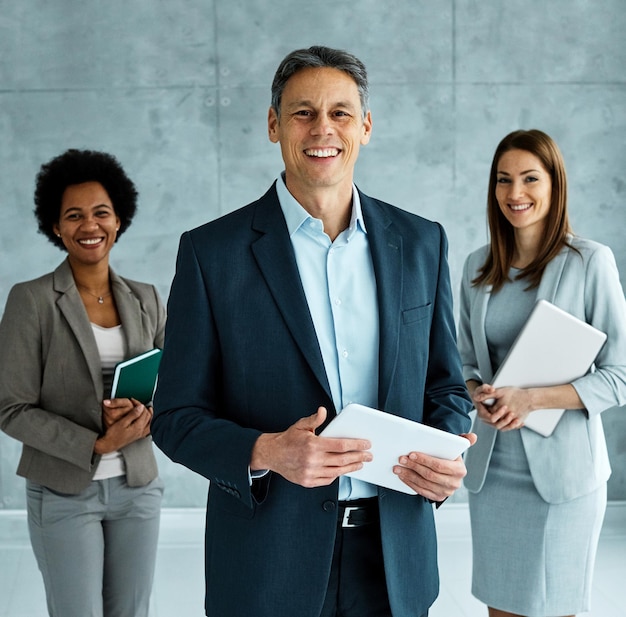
[
  {"x": 87, "y": 223},
  {"x": 523, "y": 190}
]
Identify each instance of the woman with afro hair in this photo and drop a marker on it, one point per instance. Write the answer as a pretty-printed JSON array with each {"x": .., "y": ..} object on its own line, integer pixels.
[{"x": 92, "y": 486}]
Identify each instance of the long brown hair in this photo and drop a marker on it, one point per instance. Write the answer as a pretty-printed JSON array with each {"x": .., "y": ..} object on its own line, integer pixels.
[{"x": 495, "y": 270}]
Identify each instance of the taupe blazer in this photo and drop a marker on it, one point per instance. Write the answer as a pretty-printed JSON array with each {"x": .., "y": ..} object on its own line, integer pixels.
[
  {"x": 51, "y": 387},
  {"x": 574, "y": 460}
]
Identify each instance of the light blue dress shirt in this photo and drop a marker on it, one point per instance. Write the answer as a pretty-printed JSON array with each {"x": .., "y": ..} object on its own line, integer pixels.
[{"x": 340, "y": 288}]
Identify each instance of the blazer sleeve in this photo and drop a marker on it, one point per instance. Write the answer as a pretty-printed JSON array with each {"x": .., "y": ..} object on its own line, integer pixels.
[
  {"x": 448, "y": 402},
  {"x": 467, "y": 348},
  {"x": 189, "y": 423},
  {"x": 605, "y": 309},
  {"x": 21, "y": 373}
]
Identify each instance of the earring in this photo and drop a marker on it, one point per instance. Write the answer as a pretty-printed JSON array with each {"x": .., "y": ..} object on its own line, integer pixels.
[{"x": 58, "y": 235}]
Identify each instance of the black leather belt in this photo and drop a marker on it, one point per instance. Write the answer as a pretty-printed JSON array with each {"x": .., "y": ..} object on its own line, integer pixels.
[{"x": 358, "y": 512}]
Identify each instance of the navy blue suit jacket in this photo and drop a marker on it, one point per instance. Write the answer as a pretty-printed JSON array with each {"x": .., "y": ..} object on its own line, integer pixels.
[{"x": 241, "y": 357}]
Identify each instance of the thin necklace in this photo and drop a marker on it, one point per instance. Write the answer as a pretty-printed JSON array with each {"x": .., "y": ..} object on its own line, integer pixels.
[{"x": 100, "y": 298}]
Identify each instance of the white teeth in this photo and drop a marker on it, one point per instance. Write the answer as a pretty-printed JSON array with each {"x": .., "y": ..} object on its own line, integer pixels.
[
  {"x": 326, "y": 152},
  {"x": 91, "y": 241},
  {"x": 519, "y": 207}
]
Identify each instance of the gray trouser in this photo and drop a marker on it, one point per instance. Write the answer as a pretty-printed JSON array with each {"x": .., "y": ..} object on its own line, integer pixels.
[{"x": 96, "y": 550}]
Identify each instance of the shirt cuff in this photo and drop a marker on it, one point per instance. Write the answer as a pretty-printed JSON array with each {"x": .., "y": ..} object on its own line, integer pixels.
[{"x": 255, "y": 475}]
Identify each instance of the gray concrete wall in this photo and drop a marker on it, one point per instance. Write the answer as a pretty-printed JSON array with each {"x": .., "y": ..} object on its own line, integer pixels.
[{"x": 179, "y": 92}]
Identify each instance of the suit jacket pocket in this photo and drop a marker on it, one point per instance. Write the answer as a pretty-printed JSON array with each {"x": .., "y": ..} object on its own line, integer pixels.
[{"x": 415, "y": 314}]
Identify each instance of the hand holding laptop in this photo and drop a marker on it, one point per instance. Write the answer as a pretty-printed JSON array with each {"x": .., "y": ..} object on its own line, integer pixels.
[
  {"x": 553, "y": 349},
  {"x": 505, "y": 408}
]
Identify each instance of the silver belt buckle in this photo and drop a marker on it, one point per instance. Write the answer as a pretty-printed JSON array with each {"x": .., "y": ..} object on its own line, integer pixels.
[{"x": 346, "y": 516}]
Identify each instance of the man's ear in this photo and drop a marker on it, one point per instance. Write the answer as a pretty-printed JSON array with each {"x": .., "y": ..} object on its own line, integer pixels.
[
  {"x": 272, "y": 125},
  {"x": 367, "y": 129}
]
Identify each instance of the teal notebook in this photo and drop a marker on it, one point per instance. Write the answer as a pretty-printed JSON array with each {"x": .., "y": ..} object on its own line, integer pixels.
[{"x": 137, "y": 377}]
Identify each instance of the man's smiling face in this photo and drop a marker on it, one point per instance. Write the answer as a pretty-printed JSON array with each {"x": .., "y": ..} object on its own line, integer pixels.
[{"x": 320, "y": 129}]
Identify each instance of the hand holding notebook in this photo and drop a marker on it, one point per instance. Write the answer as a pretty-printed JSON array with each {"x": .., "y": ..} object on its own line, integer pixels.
[{"x": 136, "y": 377}]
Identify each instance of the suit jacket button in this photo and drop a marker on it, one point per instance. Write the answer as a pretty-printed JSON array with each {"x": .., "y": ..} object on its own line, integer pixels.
[{"x": 329, "y": 506}]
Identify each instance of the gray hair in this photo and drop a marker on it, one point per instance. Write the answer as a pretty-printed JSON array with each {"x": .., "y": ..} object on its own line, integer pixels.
[{"x": 320, "y": 57}]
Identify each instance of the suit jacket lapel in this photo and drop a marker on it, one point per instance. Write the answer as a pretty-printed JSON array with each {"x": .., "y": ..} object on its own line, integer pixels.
[
  {"x": 478, "y": 317},
  {"x": 129, "y": 309},
  {"x": 274, "y": 254},
  {"x": 386, "y": 249},
  {"x": 73, "y": 309},
  {"x": 552, "y": 275},
  {"x": 546, "y": 291}
]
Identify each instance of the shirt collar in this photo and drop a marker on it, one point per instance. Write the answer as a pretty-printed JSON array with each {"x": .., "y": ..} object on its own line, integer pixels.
[{"x": 295, "y": 215}]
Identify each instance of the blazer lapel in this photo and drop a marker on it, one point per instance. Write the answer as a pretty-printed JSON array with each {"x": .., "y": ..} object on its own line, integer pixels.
[
  {"x": 552, "y": 275},
  {"x": 129, "y": 309},
  {"x": 386, "y": 249},
  {"x": 477, "y": 325},
  {"x": 274, "y": 254},
  {"x": 546, "y": 291},
  {"x": 73, "y": 309}
]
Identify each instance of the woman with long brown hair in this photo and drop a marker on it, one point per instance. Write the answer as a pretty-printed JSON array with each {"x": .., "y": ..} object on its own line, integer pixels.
[{"x": 537, "y": 503}]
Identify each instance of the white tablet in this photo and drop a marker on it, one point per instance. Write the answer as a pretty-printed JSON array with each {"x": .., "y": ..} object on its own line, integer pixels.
[{"x": 391, "y": 437}]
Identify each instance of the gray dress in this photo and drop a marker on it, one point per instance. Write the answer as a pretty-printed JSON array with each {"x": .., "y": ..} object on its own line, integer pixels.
[{"x": 529, "y": 557}]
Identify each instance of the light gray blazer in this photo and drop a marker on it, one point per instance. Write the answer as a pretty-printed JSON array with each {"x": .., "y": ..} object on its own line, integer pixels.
[
  {"x": 574, "y": 460},
  {"x": 51, "y": 387}
]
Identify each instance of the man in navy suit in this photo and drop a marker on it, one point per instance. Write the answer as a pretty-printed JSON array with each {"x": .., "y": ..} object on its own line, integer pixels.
[{"x": 280, "y": 314}]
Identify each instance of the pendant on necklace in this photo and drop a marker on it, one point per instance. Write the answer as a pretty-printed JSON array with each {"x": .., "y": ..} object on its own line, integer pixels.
[{"x": 100, "y": 300}]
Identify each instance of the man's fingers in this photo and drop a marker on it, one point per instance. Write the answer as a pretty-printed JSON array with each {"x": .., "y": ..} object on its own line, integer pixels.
[
  {"x": 312, "y": 422},
  {"x": 471, "y": 437}
]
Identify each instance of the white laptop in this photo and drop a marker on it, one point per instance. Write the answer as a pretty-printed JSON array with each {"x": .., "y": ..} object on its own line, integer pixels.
[
  {"x": 553, "y": 348},
  {"x": 391, "y": 437}
]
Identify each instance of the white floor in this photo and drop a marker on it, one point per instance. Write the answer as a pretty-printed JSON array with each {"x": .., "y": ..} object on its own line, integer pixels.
[{"x": 178, "y": 589}]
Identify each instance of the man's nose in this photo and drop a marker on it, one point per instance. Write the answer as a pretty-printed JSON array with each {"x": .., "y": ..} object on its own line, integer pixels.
[{"x": 322, "y": 125}]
